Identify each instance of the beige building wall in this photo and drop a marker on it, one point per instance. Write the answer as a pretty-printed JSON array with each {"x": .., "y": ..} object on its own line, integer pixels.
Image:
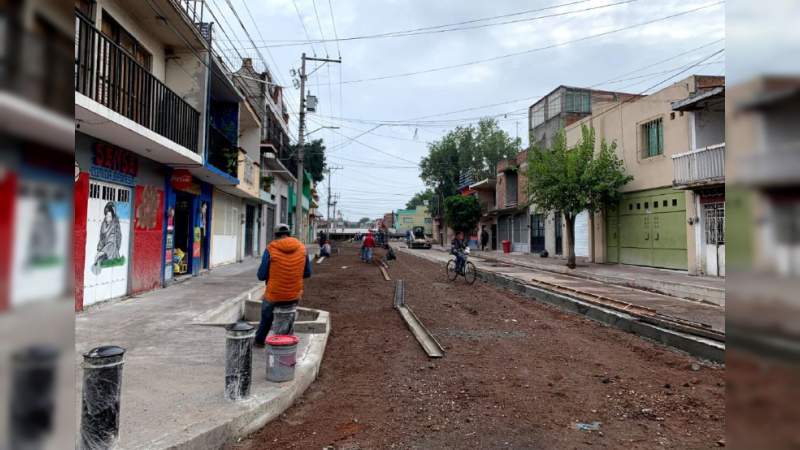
[{"x": 621, "y": 123}]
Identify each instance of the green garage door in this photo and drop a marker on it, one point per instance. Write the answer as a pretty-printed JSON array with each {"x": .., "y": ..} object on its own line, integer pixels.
[{"x": 649, "y": 229}]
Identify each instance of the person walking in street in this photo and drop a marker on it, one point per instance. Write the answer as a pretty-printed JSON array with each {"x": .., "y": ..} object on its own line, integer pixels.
[
  {"x": 484, "y": 238},
  {"x": 284, "y": 265},
  {"x": 366, "y": 247}
]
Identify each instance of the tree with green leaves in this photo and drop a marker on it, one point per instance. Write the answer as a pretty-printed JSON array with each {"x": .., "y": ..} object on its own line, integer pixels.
[
  {"x": 313, "y": 158},
  {"x": 576, "y": 179},
  {"x": 473, "y": 149},
  {"x": 462, "y": 212},
  {"x": 420, "y": 198}
]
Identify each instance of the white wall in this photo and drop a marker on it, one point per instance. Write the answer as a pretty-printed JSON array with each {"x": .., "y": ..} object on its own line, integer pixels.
[
  {"x": 226, "y": 228},
  {"x": 709, "y": 128}
]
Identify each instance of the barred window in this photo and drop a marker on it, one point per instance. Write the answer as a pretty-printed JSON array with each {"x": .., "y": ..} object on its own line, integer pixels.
[
  {"x": 714, "y": 223},
  {"x": 652, "y": 138}
]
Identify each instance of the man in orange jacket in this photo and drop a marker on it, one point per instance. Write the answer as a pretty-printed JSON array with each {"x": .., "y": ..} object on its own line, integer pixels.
[{"x": 283, "y": 267}]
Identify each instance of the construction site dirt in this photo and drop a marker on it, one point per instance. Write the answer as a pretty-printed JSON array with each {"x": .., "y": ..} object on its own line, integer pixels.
[{"x": 516, "y": 373}]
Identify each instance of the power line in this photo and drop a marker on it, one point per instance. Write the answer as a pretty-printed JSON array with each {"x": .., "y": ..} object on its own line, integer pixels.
[
  {"x": 533, "y": 50},
  {"x": 305, "y": 30},
  {"x": 457, "y": 26},
  {"x": 335, "y": 34}
]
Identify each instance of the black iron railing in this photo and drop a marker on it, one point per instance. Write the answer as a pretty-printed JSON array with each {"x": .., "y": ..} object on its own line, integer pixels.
[{"x": 107, "y": 74}]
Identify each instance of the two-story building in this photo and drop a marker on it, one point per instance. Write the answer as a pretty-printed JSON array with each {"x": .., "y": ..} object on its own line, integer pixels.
[
  {"x": 169, "y": 149},
  {"x": 672, "y": 214}
]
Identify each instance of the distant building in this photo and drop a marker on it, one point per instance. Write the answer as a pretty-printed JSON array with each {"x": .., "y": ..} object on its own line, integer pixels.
[
  {"x": 407, "y": 219},
  {"x": 564, "y": 106},
  {"x": 388, "y": 220}
]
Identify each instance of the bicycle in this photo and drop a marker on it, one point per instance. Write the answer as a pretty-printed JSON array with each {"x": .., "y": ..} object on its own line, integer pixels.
[{"x": 470, "y": 273}]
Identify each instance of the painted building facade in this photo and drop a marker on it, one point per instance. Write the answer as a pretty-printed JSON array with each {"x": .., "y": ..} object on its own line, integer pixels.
[
  {"x": 656, "y": 223},
  {"x": 407, "y": 219}
]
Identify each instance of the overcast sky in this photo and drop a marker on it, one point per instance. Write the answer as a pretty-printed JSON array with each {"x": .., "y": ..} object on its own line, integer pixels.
[{"x": 379, "y": 169}]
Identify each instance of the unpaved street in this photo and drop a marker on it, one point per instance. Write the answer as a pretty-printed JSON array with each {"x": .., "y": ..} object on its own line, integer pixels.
[{"x": 516, "y": 374}]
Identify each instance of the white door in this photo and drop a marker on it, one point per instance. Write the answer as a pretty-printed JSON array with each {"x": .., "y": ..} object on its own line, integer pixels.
[
  {"x": 107, "y": 242},
  {"x": 582, "y": 234}
]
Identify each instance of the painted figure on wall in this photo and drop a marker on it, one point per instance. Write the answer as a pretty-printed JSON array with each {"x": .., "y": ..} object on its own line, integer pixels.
[{"x": 108, "y": 247}]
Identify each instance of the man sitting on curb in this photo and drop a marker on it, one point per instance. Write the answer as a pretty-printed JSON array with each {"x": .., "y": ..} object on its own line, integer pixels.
[{"x": 283, "y": 267}]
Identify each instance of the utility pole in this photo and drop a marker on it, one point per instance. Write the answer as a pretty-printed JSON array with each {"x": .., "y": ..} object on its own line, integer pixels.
[
  {"x": 335, "y": 201},
  {"x": 329, "y": 170},
  {"x": 301, "y": 140}
]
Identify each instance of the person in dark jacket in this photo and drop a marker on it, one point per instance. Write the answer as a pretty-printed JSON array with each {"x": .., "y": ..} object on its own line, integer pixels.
[
  {"x": 484, "y": 238},
  {"x": 284, "y": 265},
  {"x": 457, "y": 246}
]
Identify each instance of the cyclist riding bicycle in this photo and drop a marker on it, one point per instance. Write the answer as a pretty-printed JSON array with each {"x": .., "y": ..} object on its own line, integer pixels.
[{"x": 457, "y": 246}]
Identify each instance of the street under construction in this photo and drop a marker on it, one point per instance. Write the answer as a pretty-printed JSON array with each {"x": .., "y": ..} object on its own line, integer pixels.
[{"x": 516, "y": 373}]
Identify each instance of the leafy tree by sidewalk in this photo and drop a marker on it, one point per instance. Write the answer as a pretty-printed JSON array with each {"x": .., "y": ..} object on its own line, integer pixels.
[
  {"x": 462, "y": 212},
  {"x": 474, "y": 149},
  {"x": 420, "y": 198},
  {"x": 576, "y": 179},
  {"x": 313, "y": 158}
]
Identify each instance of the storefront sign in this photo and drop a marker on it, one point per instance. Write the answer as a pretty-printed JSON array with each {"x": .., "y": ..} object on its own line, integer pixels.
[
  {"x": 110, "y": 163},
  {"x": 181, "y": 180}
]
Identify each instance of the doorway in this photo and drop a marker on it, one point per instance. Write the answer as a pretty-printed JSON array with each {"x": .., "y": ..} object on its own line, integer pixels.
[
  {"x": 537, "y": 233},
  {"x": 494, "y": 236},
  {"x": 183, "y": 237},
  {"x": 559, "y": 233},
  {"x": 249, "y": 225}
]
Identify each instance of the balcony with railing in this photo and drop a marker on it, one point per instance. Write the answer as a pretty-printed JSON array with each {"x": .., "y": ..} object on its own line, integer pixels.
[
  {"x": 111, "y": 77},
  {"x": 701, "y": 167}
]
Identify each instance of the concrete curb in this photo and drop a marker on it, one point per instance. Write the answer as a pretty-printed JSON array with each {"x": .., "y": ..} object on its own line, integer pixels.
[
  {"x": 259, "y": 409},
  {"x": 693, "y": 345},
  {"x": 696, "y": 292}
]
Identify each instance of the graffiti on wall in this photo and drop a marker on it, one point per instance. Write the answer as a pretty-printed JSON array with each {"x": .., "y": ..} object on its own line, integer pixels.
[{"x": 147, "y": 211}]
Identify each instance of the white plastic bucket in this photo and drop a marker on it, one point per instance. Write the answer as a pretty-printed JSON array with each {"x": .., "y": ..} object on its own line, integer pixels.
[{"x": 281, "y": 357}]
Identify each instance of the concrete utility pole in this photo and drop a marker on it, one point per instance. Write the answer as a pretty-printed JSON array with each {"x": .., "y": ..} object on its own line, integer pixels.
[
  {"x": 329, "y": 170},
  {"x": 301, "y": 140}
]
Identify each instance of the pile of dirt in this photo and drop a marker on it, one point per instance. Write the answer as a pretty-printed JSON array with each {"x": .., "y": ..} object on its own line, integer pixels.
[{"x": 516, "y": 374}]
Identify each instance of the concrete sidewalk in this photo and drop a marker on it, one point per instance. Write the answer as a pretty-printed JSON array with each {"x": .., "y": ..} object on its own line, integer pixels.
[
  {"x": 670, "y": 282},
  {"x": 692, "y": 326},
  {"x": 173, "y": 377}
]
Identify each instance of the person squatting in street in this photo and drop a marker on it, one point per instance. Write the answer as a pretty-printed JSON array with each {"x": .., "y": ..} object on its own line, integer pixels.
[
  {"x": 457, "y": 246},
  {"x": 283, "y": 268}
]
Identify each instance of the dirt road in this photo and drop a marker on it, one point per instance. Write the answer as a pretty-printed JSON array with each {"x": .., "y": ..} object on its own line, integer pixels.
[{"x": 516, "y": 374}]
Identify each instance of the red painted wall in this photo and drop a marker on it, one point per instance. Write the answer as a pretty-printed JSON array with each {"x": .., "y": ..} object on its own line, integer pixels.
[
  {"x": 147, "y": 239},
  {"x": 81, "y": 197},
  {"x": 8, "y": 190}
]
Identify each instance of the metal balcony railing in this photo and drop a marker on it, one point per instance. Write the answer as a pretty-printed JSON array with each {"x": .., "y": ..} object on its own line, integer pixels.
[
  {"x": 107, "y": 74},
  {"x": 701, "y": 166}
]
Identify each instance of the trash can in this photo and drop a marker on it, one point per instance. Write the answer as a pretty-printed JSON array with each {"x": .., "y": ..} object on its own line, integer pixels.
[
  {"x": 281, "y": 357},
  {"x": 506, "y": 246},
  {"x": 283, "y": 317}
]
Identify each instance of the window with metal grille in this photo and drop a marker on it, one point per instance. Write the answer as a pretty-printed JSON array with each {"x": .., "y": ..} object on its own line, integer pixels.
[
  {"x": 537, "y": 115},
  {"x": 714, "y": 223},
  {"x": 578, "y": 101},
  {"x": 553, "y": 105},
  {"x": 653, "y": 138}
]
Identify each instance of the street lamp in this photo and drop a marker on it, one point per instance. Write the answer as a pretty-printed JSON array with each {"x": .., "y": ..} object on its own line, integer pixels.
[{"x": 322, "y": 128}]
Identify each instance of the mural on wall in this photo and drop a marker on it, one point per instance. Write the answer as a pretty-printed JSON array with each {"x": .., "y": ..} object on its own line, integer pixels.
[
  {"x": 41, "y": 241},
  {"x": 109, "y": 243}
]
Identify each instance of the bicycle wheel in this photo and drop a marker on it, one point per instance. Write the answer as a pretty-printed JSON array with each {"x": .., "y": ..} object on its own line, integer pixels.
[
  {"x": 470, "y": 272},
  {"x": 451, "y": 270}
]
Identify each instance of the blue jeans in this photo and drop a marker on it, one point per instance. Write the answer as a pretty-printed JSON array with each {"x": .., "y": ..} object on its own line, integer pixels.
[
  {"x": 266, "y": 321},
  {"x": 366, "y": 254},
  {"x": 460, "y": 262}
]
